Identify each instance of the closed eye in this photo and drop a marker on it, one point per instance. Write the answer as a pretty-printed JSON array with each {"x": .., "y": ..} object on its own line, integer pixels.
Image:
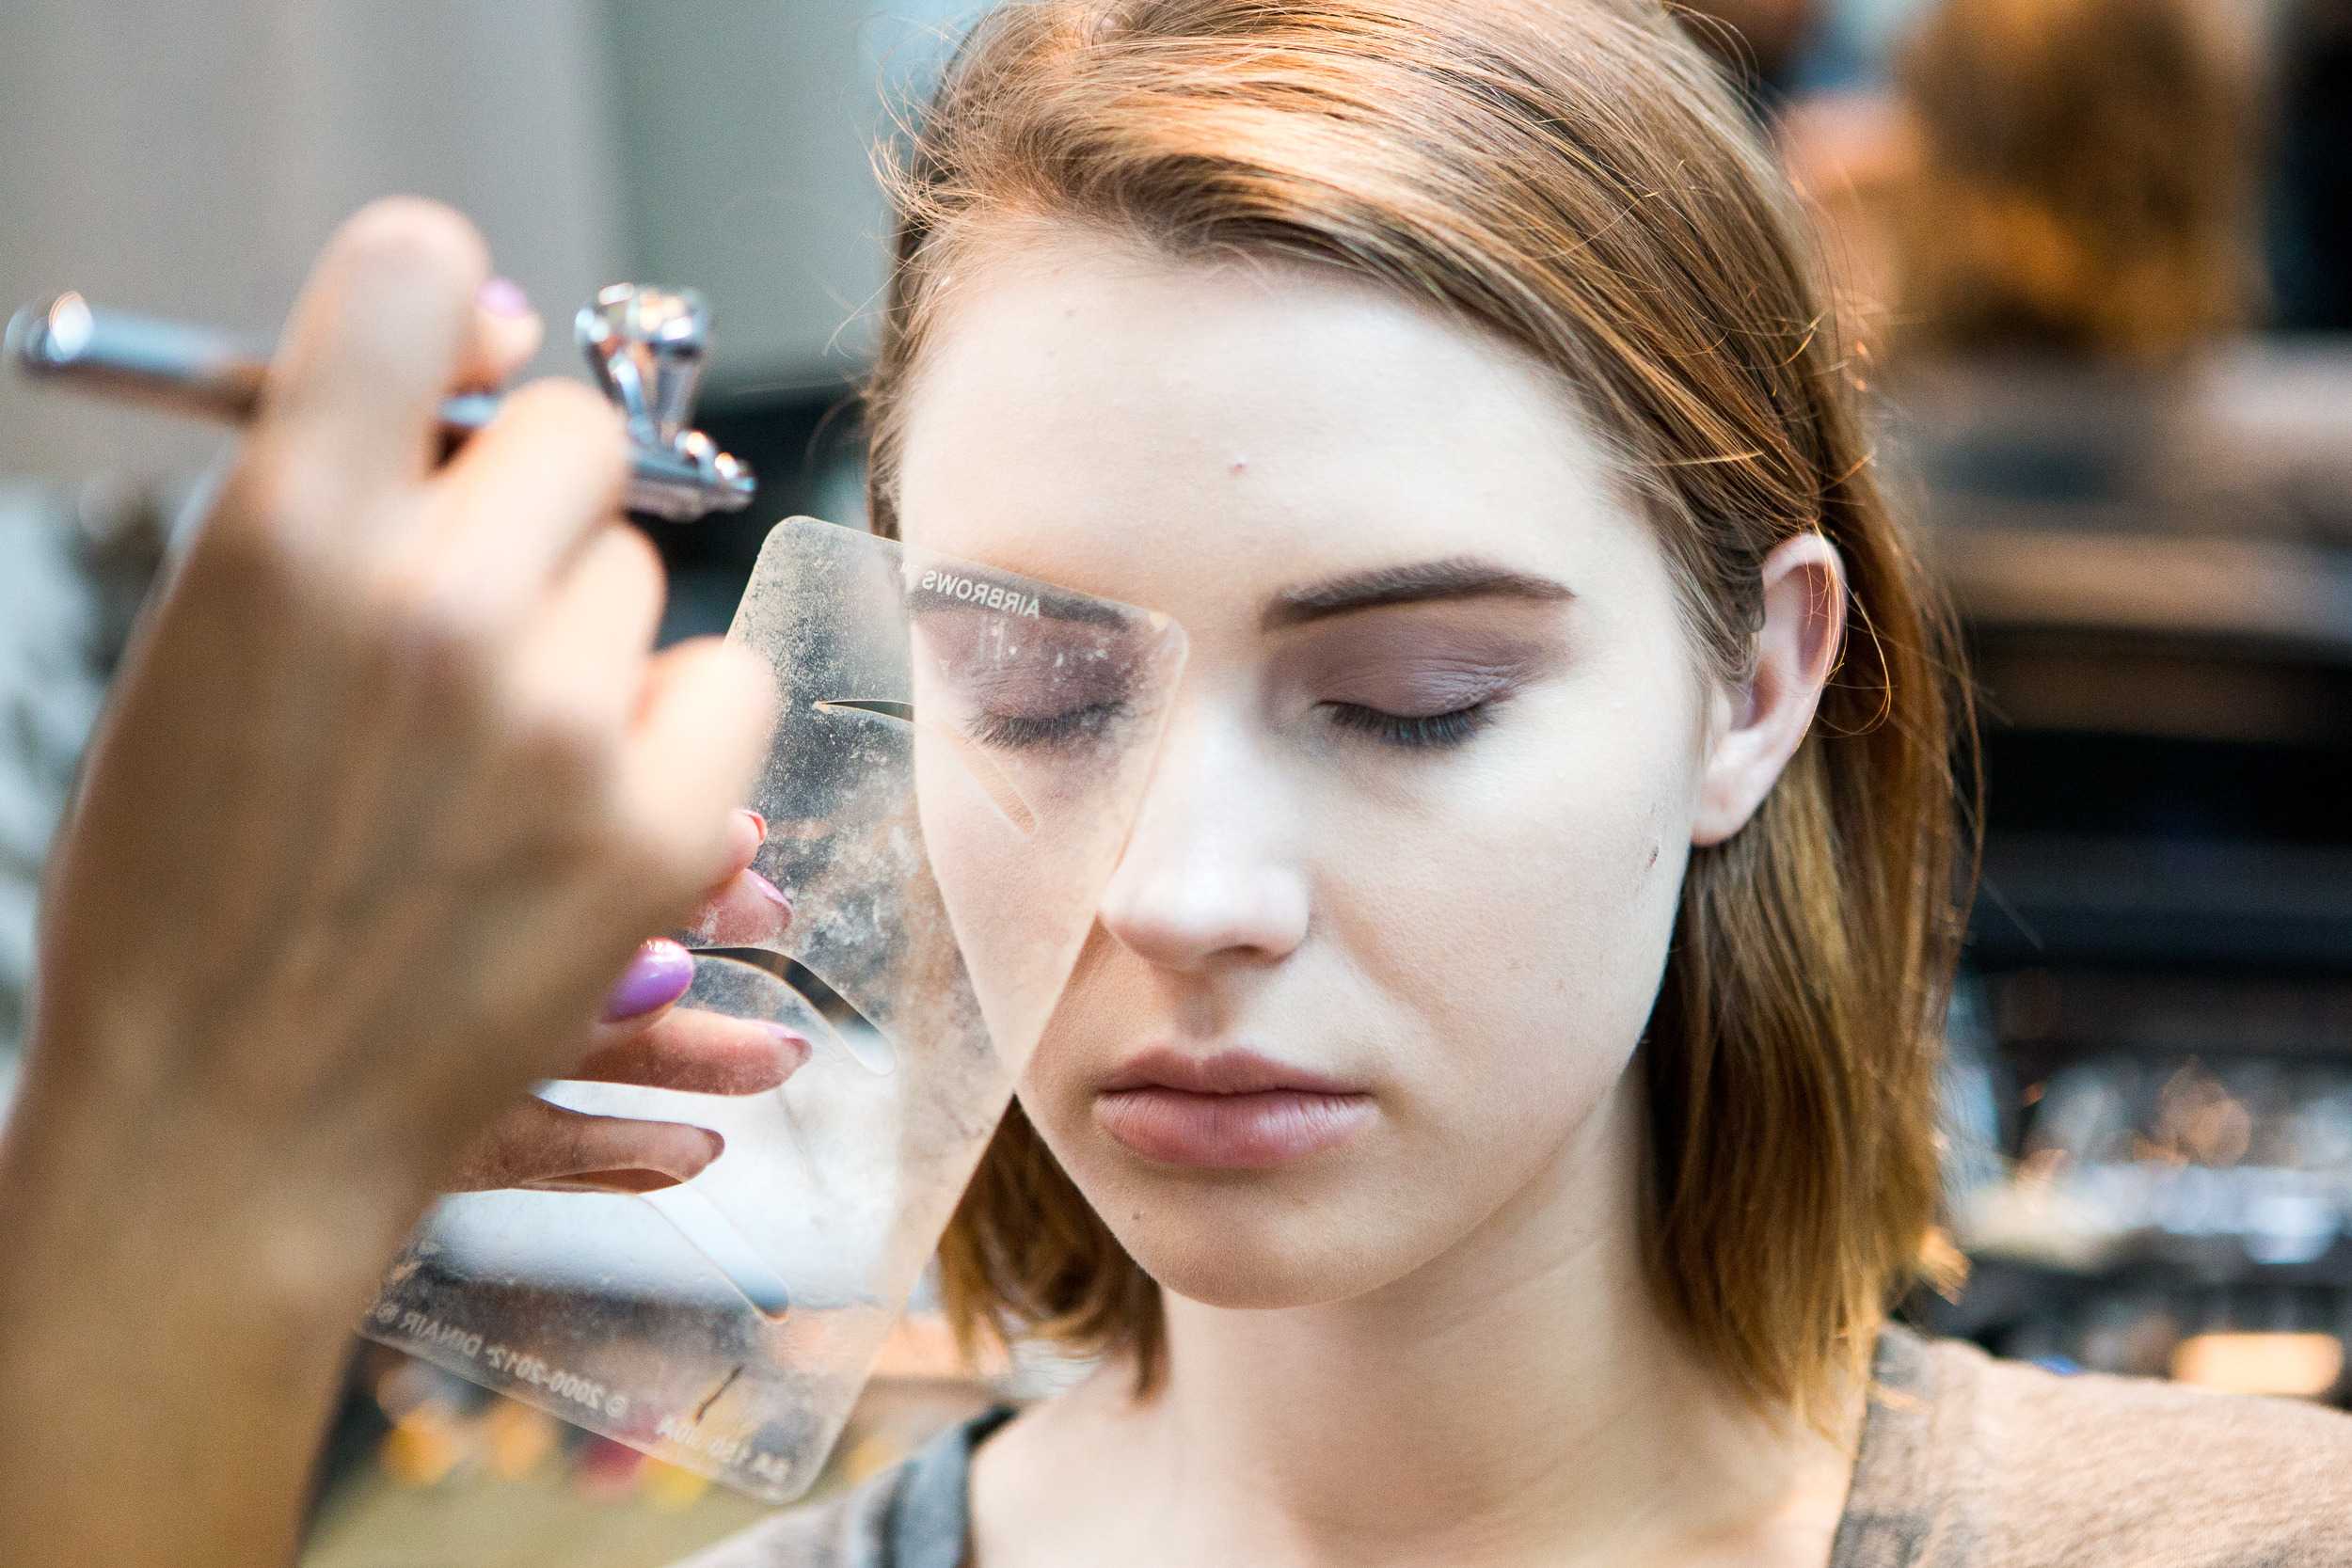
[
  {"x": 1413, "y": 731},
  {"x": 1001, "y": 791},
  {"x": 1042, "y": 732}
]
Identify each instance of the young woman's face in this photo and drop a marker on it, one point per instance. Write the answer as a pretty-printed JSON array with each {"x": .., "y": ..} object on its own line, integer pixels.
[{"x": 1417, "y": 855}]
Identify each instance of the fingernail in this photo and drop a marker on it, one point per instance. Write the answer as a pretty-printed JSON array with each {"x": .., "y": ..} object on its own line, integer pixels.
[
  {"x": 503, "y": 297},
  {"x": 633, "y": 1183},
  {"x": 656, "y": 976},
  {"x": 750, "y": 831},
  {"x": 792, "y": 1048},
  {"x": 773, "y": 893}
]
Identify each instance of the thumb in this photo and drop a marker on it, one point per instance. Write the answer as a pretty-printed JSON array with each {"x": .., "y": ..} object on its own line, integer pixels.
[
  {"x": 659, "y": 973},
  {"x": 505, "y": 332}
]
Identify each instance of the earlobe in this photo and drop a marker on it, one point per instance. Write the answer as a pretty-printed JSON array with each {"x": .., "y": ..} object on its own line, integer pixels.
[{"x": 1764, "y": 720}]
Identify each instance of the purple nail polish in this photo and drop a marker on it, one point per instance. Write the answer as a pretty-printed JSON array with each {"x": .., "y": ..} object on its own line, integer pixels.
[
  {"x": 503, "y": 297},
  {"x": 656, "y": 976}
]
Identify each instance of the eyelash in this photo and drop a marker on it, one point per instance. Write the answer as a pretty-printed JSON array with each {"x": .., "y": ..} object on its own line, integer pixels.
[
  {"x": 1415, "y": 732},
  {"x": 1021, "y": 731},
  {"x": 1431, "y": 731}
]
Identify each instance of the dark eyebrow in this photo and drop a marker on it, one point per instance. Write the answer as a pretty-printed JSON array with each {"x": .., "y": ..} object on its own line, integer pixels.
[{"x": 1453, "y": 577}]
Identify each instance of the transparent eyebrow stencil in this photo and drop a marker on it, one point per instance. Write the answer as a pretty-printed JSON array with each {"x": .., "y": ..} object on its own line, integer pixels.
[{"x": 958, "y": 760}]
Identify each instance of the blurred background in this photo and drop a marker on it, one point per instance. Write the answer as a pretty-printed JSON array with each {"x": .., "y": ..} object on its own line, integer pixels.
[{"x": 2095, "y": 257}]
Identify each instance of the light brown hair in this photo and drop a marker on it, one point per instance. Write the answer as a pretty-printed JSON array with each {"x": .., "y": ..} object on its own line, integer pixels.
[
  {"x": 1575, "y": 177},
  {"x": 2085, "y": 176}
]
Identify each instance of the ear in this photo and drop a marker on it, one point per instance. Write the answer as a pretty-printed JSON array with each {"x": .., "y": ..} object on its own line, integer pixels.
[{"x": 1754, "y": 728}]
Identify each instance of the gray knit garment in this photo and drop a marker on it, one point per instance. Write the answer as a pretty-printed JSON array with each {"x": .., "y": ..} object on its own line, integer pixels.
[{"x": 1965, "y": 1461}]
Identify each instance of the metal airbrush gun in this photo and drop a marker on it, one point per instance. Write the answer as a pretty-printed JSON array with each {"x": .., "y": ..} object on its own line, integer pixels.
[{"x": 645, "y": 344}]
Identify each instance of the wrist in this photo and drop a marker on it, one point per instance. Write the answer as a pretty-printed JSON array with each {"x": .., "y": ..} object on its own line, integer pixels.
[
  {"x": 157, "y": 1187},
  {"x": 172, "y": 1334}
]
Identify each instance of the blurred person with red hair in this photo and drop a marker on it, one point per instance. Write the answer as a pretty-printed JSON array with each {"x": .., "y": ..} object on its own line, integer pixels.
[
  {"x": 2048, "y": 237},
  {"x": 2085, "y": 177}
]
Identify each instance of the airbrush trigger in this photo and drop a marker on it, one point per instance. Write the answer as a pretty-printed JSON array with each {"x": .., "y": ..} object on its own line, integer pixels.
[{"x": 645, "y": 346}]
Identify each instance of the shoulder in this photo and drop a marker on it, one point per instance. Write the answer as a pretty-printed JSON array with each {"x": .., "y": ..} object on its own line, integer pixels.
[
  {"x": 914, "y": 1514},
  {"x": 2014, "y": 1464},
  {"x": 848, "y": 1530}
]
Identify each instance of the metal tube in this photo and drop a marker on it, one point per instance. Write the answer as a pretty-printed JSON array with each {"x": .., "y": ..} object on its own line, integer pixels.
[{"x": 200, "y": 371}]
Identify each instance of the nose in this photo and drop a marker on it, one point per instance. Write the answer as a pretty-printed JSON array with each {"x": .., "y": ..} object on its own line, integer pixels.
[{"x": 1212, "y": 868}]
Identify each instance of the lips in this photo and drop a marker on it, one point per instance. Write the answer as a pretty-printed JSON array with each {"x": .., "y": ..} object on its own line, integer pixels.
[{"x": 1234, "y": 1110}]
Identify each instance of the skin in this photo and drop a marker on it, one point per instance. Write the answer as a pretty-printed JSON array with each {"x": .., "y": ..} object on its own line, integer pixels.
[
  {"x": 534, "y": 1144},
  {"x": 392, "y": 785},
  {"x": 1430, "y": 1342},
  {"x": 1450, "y": 1358}
]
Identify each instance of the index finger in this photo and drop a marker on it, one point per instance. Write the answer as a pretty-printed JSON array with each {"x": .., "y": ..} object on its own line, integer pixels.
[
  {"x": 374, "y": 343},
  {"x": 743, "y": 909},
  {"x": 693, "y": 1048}
]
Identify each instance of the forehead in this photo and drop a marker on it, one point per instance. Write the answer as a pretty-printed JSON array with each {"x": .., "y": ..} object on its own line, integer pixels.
[{"x": 1186, "y": 434}]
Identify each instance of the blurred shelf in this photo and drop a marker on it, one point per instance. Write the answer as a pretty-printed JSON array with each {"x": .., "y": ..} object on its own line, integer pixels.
[
  {"x": 2067, "y": 566},
  {"x": 2087, "y": 899}
]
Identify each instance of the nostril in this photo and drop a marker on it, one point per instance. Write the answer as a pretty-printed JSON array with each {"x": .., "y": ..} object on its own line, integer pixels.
[{"x": 1184, "y": 915}]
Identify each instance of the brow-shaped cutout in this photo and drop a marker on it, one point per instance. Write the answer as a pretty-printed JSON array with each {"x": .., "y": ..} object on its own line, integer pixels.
[
  {"x": 882, "y": 708},
  {"x": 1453, "y": 577},
  {"x": 832, "y": 1007},
  {"x": 994, "y": 781},
  {"x": 703, "y": 1222}
]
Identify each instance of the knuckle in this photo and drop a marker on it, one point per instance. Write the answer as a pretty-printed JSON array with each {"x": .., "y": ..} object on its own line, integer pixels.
[
  {"x": 275, "y": 576},
  {"x": 563, "y": 1146},
  {"x": 415, "y": 234},
  {"x": 567, "y": 404},
  {"x": 656, "y": 860},
  {"x": 633, "y": 557},
  {"x": 277, "y": 488},
  {"x": 581, "y": 419},
  {"x": 563, "y": 749},
  {"x": 265, "y": 528},
  {"x": 438, "y": 636}
]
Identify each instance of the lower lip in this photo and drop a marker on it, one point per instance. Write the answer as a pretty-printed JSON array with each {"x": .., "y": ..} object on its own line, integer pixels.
[{"x": 1230, "y": 1132}]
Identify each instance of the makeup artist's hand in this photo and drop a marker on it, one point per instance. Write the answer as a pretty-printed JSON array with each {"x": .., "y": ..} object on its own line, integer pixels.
[
  {"x": 644, "y": 1038},
  {"x": 393, "y": 785},
  {"x": 649, "y": 1041},
  {"x": 389, "y": 791}
]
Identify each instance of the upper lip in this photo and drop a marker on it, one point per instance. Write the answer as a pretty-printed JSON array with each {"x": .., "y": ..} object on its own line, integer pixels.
[{"x": 1237, "y": 1071}]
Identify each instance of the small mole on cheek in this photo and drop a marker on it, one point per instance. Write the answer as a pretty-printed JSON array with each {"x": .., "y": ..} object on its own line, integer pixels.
[
  {"x": 1239, "y": 464},
  {"x": 1653, "y": 858}
]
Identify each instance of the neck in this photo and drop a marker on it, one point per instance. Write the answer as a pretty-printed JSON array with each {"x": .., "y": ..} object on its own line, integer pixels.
[{"x": 1520, "y": 1398}]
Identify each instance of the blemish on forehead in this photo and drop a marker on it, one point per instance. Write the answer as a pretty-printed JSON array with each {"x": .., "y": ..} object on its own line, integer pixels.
[{"x": 1238, "y": 464}]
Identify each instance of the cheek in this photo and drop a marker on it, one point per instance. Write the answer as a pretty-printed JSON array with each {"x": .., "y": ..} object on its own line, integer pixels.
[
  {"x": 1488, "y": 930},
  {"x": 1518, "y": 915}
]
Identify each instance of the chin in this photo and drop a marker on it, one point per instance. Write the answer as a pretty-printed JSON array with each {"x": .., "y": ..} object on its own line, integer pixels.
[
  {"x": 1254, "y": 1239},
  {"x": 1215, "y": 1272}
]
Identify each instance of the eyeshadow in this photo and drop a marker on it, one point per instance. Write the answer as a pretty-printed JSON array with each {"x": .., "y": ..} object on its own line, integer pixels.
[{"x": 1426, "y": 662}]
